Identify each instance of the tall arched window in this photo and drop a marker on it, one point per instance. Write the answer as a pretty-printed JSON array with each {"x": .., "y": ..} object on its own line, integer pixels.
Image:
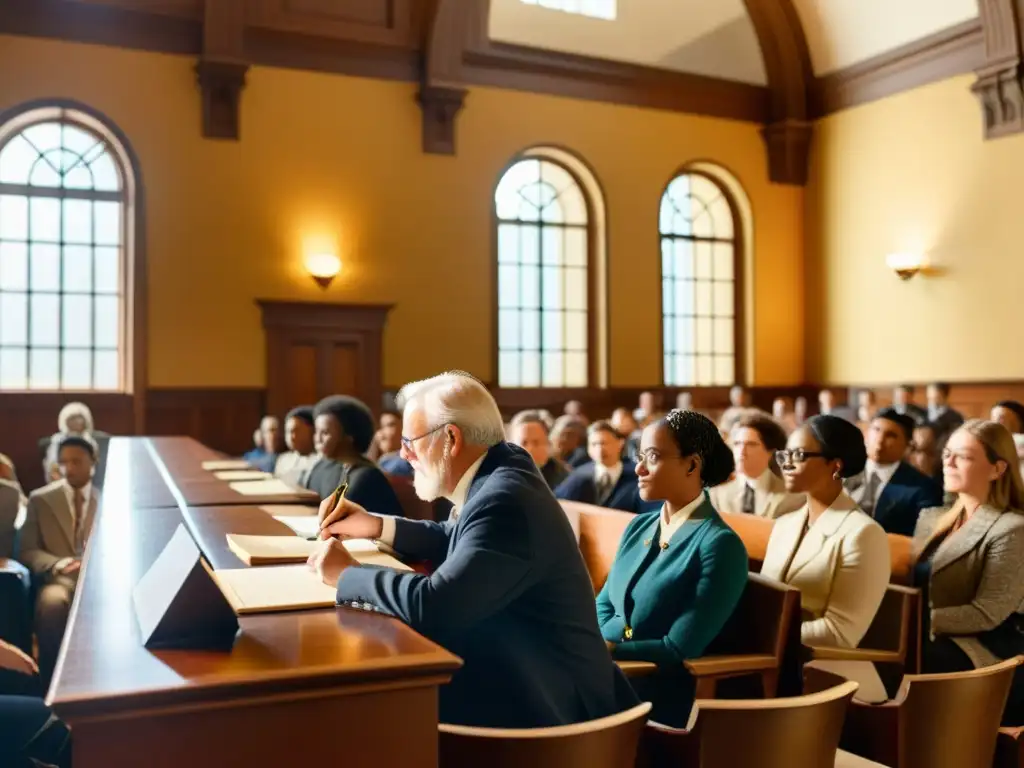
[
  {"x": 63, "y": 237},
  {"x": 544, "y": 281},
  {"x": 700, "y": 291}
]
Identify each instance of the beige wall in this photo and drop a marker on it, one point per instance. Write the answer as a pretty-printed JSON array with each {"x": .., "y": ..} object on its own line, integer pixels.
[
  {"x": 335, "y": 160},
  {"x": 912, "y": 172}
]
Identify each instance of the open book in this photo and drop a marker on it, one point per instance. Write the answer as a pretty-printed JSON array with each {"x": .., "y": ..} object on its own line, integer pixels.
[
  {"x": 269, "y": 486},
  {"x": 276, "y": 588},
  {"x": 225, "y": 464},
  {"x": 275, "y": 550},
  {"x": 242, "y": 474}
]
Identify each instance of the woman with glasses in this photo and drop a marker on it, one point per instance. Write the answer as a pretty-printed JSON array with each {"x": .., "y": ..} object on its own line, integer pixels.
[
  {"x": 343, "y": 431},
  {"x": 680, "y": 570},
  {"x": 969, "y": 559},
  {"x": 831, "y": 551}
]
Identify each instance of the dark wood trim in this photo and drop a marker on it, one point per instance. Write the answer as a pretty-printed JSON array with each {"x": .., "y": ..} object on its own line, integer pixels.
[
  {"x": 950, "y": 52},
  {"x": 1000, "y": 83},
  {"x": 441, "y": 95},
  {"x": 440, "y": 106},
  {"x": 220, "y": 85}
]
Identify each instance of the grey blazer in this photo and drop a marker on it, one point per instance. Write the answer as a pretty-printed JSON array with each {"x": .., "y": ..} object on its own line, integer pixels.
[
  {"x": 977, "y": 577},
  {"x": 49, "y": 531}
]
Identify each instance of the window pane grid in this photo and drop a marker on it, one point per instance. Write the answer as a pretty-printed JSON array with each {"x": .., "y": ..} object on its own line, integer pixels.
[
  {"x": 698, "y": 284},
  {"x": 542, "y": 277},
  {"x": 61, "y": 261}
]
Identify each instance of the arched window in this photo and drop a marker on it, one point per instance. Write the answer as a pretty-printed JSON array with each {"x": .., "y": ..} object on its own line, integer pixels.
[
  {"x": 544, "y": 277},
  {"x": 700, "y": 290},
  {"x": 63, "y": 240}
]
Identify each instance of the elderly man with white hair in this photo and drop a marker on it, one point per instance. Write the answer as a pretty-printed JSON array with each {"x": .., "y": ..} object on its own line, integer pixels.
[{"x": 509, "y": 592}]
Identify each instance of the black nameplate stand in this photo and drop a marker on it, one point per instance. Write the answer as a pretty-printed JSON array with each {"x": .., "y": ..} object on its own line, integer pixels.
[{"x": 178, "y": 604}]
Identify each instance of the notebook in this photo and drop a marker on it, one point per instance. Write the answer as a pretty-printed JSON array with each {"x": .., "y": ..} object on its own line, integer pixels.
[
  {"x": 219, "y": 464},
  {"x": 270, "y": 486},
  {"x": 306, "y": 526},
  {"x": 274, "y": 588},
  {"x": 274, "y": 550},
  {"x": 242, "y": 474}
]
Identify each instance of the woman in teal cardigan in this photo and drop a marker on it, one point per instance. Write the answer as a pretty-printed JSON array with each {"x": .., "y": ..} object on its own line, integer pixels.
[{"x": 680, "y": 570}]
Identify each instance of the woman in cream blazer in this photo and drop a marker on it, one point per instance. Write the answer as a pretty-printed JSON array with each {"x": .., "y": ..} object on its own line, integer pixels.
[
  {"x": 831, "y": 551},
  {"x": 755, "y": 440}
]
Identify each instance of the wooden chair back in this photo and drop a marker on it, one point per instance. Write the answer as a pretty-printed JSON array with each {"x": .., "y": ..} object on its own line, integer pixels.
[
  {"x": 754, "y": 531},
  {"x": 609, "y": 742},
  {"x": 901, "y": 562},
  {"x": 764, "y": 733},
  {"x": 897, "y": 627},
  {"x": 600, "y": 530}
]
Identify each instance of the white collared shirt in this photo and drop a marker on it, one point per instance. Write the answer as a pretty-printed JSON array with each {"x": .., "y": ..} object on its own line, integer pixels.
[
  {"x": 935, "y": 411},
  {"x": 762, "y": 487},
  {"x": 613, "y": 472},
  {"x": 457, "y": 498},
  {"x": 670, "y": 524},
  {"x": 884, "y": 472}
]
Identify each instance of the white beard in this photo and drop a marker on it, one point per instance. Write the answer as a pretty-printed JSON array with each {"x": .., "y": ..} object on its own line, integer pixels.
[{"x": 429, "y": 481}]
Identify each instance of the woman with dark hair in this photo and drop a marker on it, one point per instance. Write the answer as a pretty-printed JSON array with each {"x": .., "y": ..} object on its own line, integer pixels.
[
  {"x": 680, "y": 570},
  {"x": 292, "y": 465},
  {"x": 343, "y": 431},
  {"x": 835, "y": 554},
  {"x": 758, "y": 488}
]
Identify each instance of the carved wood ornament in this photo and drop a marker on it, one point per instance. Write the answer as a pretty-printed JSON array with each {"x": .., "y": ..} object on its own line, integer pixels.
[{"x": 1000, "y": 83}]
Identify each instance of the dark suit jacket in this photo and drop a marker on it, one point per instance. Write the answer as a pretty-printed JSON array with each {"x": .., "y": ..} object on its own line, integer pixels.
[
  {"x": 554, "y": 472},
  {"x": 578, "y": 458},
  {"x": 675, "y": 600},
  {"x": 367, "y": 485},
  {"x": 29, "y": 731},
  {"x": 903, "y": 497},
  {"x": 511, "y": 596},
  {"x": 579, "y": 486},
  {"x": 947, "y": 423}
]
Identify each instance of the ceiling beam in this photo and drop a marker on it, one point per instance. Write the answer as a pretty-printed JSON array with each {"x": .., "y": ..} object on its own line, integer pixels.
[
  {"x": 1000, "y": 83},
  {"x": 441, "y": 95},
  {"x": 222, "y": 68},
  {"x": 787, "y": 64}
]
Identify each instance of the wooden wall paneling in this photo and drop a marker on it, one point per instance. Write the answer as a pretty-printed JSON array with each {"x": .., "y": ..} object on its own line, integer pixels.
[
  {"x": 28, "y": 417},
  {"x": 189, "y": 9},
  {"x": 348, "y": 339},
  {"x": 947, "y": 53},
  {"x": 221, "y": 418},
  {"x": 380, "y": 22}
]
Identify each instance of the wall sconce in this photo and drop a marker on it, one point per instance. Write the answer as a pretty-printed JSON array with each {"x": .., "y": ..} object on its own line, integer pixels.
[
  {"x": 323, "y": 268},
  {"x": 905, "y": 265}
]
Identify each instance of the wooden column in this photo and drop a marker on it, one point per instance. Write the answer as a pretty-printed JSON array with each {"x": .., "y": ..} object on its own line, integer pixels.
[{"x": 317, "y": 349}]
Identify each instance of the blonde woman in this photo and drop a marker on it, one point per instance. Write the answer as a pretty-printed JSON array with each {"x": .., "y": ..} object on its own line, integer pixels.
[{"x": 970, "y": 558}]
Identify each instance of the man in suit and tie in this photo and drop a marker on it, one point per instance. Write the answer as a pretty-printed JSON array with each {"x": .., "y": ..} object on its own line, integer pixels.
[
  {"x": 509, "y": 592},
  {"x": 529, "y": 431},
  {"x": 903, "y": 403},
  {"x": 890, "y": 489},
  {"x": 58, "y": 521},
  {"x": 607, "y": 480},
  {"x": 945, "y": 419}
]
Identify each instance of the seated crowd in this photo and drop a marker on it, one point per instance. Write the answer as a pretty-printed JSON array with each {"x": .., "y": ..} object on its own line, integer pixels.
[{"x": 509, "y": 592}]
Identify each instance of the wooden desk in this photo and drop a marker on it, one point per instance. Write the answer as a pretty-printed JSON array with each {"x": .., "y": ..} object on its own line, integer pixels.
[{"x": 301, "y": 688}]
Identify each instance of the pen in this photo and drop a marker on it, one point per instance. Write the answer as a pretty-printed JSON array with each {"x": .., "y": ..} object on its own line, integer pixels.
[{"x": 336, "y": 497}]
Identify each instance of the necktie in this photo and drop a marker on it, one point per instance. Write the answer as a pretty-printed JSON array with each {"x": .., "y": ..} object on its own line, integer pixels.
[
  {"x": 604, "y": 488},
  {"x": 749, "y": 500},
  {"x": 867, "y": 502},
  {"x": 79, "y": 504}
]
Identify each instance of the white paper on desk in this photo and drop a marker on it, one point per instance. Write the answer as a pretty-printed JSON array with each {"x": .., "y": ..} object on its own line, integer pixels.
[
  {"x": 219, "y": 464},
  {"x": 242, "y": 474},
  {"x": 270, "y": 486},
  {"x": 274, "y": 588},
  {"x": 270, "y": 550},
  {"x": 289, "y": 510},
  {"x": 306, "y": 526}
]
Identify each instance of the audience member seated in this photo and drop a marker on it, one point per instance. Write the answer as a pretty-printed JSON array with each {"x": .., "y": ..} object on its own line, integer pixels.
[
  {"x": 826, "y": 402},
  {"x": 739, "y": 401},
  {"x": 889, "y": 489},
  {"x": 758, "y": 488},
  {"x": 11, "y": 501},
  {"x": 649, "y": 404},
  {"x": 389, "y": 443},
  {"x": 969, "y": 560},
  {"x": 569, "y": 437},
  {"x": 530, "y": 433},
  {"x": 75, "y": 419},
  {"x": 57, "y": 526},
  {"x": 344, "y": 430},
  {"x": 266, "y": 441},
  {"x": 1010, "y": 414},
  {"x": 831, "y": 551},
  {"x": 608, "y": 480},
  {"x": 866, "y": 406},
  {"x": 903, "y": 402},
  {"x": 783, "y": 414},
  {"x": 30, "y": 735},
  {"x": 680, "y": 570},
  {"x": 510, "y": 594},
  {"x": 574, "y": 408},
  {"x": 292, "y": 465},
  {"x": 924, "y": 452},
  {"x": 8, "y": 473},
  {"x": 684, "y": 401},
  {"x": 945, "y": 419},
  {"x": 800, "y": 411},
  {"x": 624, "y": 423}
]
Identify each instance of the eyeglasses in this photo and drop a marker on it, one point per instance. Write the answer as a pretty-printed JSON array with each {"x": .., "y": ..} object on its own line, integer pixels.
[
  {"x": 796, "y": 456},
  {"x": 408, "y": 441},
  {"x": 651, "y": 458}
]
